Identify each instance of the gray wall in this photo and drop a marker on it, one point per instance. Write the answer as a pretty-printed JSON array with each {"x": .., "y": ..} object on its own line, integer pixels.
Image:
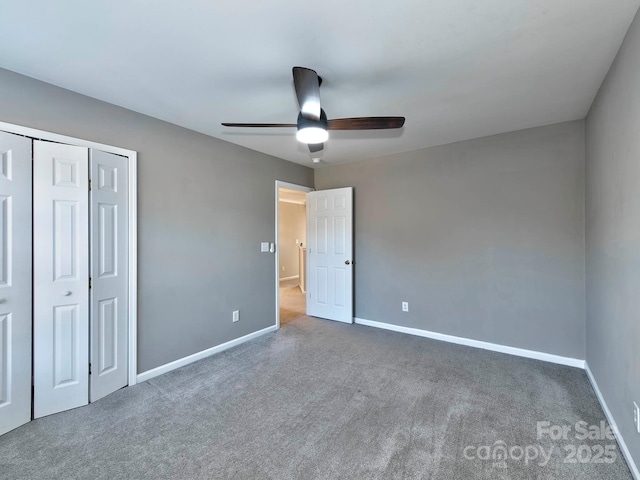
[
  {"x": 293, "y": 226},
  {"x": 483, "y": 238},
  {"x": 613, "y": 237},
  {"x": 199, "y": 241}
]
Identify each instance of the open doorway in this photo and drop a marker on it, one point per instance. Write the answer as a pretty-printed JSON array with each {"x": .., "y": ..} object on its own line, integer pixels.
[{"x": 291, "y": 241}]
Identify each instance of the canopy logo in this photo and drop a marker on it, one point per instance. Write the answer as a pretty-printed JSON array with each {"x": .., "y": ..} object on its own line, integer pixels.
[
  {"x": 499, "y": 453},
  {"x": 580, "y": 443}
]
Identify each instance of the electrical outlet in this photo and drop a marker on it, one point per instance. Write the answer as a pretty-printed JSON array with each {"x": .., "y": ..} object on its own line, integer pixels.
[
  {"x": 236, "y": 315},
  {"x": 405, "y": 306},
  {"x": 283, "y": 268},
  {"x": 636, "y": 416}
]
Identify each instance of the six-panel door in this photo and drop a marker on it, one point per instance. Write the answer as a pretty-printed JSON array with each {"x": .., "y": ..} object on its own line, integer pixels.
[
  {"x": 60, "y": 277},
  {"x": 15, "y": 281},
  {"x": 330, "y": 254},
  {"x": 109, "y": 207}
]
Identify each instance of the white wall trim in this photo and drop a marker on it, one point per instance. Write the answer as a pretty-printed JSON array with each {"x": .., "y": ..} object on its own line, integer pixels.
[
  {"x": 154, "y": 372},
  {"x": 289, "y": 278},
  {"x": 291, "y": 186},
  {"x": 55, "y": 137},
  {"x": 132, "y": 155},
  {"x": 520, "y": 352},
  {"x": 133, "y": 268},
  {"x": 623, "y": 446}
]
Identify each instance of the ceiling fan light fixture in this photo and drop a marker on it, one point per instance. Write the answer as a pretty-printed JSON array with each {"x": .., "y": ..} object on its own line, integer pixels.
[
  {"x": 312, "y": 131},
  {"x": 312, "y": 135}
]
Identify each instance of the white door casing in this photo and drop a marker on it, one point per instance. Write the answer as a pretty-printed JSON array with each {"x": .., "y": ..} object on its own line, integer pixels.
[
  {"x": 15, "y": 281},
  {"x": 60, "y": 277},
  {"x": 330, "y": 254},
  {"x": 108, "y": 294}
]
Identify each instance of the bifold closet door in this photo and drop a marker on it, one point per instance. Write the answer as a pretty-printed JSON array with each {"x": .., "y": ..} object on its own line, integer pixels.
[
  {"x": 15, "y": 281},
  {"x": 109, "y": 247},
  {"x": 60, "y": 277}
]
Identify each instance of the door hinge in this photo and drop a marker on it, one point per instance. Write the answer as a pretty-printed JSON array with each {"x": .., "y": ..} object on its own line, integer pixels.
[
  {"x": 89, "y": 282},
  {"x": 89, "y": 184},
  {"x": 89, "y": 368}
]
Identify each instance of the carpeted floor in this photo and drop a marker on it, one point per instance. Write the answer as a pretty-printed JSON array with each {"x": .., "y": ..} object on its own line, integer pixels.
[
  {"x": 293, "y": 303},
  {"x": 321, "y": 399}
]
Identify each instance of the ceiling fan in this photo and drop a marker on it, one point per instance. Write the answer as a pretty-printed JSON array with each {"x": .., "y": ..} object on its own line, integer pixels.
[{"x": 313, "y": 125}]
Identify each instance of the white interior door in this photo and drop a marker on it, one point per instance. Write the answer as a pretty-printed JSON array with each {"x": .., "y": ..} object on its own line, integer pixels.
[
  {"x": 330, "y": 254},
  {"x": 61, "y": 277},
  {"x": 109, "y": 247},
  {"x": 15, "y": 281}
]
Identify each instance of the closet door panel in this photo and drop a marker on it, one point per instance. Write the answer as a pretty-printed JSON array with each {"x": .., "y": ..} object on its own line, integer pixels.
[
  {"x": 15, "y": 281},
  {"x": 109, "y": 246},
  {"x": 61, "y": 277}
]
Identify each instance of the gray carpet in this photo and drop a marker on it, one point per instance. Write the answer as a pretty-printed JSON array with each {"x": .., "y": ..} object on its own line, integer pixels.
[{"x": 320, "y": 399}]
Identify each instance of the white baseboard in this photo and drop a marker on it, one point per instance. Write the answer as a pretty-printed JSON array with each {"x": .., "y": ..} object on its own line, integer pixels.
[
  {"x": 154, "y": 372},
  {"x": 520, "y": 352},
  {"x": 623, "y": 446},
  {"x": 289, "y": 278}
]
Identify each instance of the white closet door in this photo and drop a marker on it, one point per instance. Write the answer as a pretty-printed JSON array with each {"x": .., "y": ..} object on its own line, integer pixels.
[
  {"x": 15, "y": 281},
  {"x": 61, "y": 277},
  {"x": 109, "y": 210}
]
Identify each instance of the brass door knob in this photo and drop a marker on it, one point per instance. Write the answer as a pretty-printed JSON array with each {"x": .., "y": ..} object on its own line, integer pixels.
[{"x": 347, "y": 262}]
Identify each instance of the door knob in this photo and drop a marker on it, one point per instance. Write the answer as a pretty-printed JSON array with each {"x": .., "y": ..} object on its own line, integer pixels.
[
  {"x": 67, "y": 293},
  {"x": 347, "y": 262}
]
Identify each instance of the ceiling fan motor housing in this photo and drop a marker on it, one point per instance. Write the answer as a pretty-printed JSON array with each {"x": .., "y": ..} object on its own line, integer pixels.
[{"x": 306, "y": 124}]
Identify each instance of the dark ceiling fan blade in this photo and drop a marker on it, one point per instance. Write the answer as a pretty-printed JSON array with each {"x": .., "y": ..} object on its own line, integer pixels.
[
  {"x": 253, "y": 125},
  {"x": 316, "y": 147},
  {"x": 366, "y": 123},
  {"x": 307, "y": 87}
]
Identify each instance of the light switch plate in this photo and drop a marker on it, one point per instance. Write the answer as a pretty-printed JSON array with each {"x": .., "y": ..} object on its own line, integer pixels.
[{"x": 264, "y": 247}]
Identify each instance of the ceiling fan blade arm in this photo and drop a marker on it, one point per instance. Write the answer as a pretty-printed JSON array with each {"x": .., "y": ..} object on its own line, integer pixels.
[
  {"x": 315, "y": 147},
  {"x": 307, "y": 86},
  {"x": 259, "y": 125},
  {"x": 366, "y": 123}
]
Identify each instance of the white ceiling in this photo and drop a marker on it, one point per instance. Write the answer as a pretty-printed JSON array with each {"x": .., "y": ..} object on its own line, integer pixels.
[{"x": 456, "y": 69}]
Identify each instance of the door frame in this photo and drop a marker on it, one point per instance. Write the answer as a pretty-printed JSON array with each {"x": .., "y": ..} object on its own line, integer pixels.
[
  {"x": 291, "y": 186},
  {"x": 132, "y": 276}
]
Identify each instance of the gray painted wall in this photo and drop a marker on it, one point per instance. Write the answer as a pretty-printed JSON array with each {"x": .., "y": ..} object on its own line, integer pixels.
[
  {"x": 613, "y": 237},
  {"x": 483, "y": 238},
  {"x": 293, "y": 226},
  {"x": 199, "y": 241}
]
